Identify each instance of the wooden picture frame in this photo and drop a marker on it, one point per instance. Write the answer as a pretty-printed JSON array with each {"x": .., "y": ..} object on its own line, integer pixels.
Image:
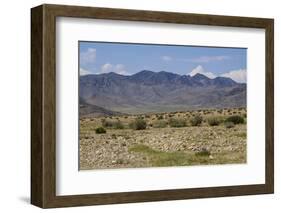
[{"x": 43, "y": 105}]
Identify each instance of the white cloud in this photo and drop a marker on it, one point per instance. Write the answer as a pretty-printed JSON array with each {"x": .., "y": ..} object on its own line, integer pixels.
[
  {"x": 237, "y": 75},
  {"x": 120, "y": 69},
  {"x": 88, "y": 57},
  {"x": 107, "y": 68},
  {"x": 199, "y": 69},
  {"x": 206, "y": 59},
  {"x": 117, "y": 68},
  {"x": 84, "y": 72},
  {"x": 166, "y": 58}
]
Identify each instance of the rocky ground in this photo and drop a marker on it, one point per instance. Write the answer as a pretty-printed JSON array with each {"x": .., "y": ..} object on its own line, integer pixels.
[{"x": 168, "y": 146}]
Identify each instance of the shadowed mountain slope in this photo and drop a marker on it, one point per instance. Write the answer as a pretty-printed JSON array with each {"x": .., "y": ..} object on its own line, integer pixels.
[{"x": 148, "y": 91}]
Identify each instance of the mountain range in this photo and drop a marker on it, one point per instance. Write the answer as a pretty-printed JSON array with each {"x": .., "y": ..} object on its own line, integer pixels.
[{"x": 148, "y": 91}]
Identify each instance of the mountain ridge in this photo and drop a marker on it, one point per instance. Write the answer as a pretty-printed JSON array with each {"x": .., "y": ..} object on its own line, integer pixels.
[
  {"x": 148, "y": 91},
  {"x": 149, "y": 72}
]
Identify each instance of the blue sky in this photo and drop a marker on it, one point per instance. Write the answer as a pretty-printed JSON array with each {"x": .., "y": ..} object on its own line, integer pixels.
[{"x": 128, "y": 59}]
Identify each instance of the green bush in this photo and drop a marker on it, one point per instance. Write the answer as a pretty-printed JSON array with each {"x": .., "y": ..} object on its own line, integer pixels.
[
  {"x": 219, "y": 111},
  {"x": 112, "y": 124},
  {"x": 229, "y": 125},
  {"x": 118, "y": 125},
  {"x": 100, "y": 130},
  {"x": 196, "y": 120},
  {"x": 160, "y": 124},
  {"x": 177, "y": 122},
  {"x": 236, "y": 119},
  {"x": 214, "y": 121},
  {"x": 160, "y": 117},
  {"x": 138, "y": 124}
]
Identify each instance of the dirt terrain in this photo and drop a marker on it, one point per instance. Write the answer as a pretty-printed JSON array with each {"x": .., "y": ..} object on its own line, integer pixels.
[{"x": 201, "y": 137}]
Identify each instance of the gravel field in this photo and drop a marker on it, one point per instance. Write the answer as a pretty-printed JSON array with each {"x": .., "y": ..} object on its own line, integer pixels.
[{"x": 156, "y": 147}]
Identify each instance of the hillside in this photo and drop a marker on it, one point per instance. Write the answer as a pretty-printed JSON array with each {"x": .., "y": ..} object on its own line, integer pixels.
[{"x": 148, "y": 91}]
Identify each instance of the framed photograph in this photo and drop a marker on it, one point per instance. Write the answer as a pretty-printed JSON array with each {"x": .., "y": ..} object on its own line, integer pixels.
[{"x": 136, "y": 106}]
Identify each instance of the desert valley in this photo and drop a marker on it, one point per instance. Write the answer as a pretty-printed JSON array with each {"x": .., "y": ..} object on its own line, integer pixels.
[{"x": 160, "y": 119}]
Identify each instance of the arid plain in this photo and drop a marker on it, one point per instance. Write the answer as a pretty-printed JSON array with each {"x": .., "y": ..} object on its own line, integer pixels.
[{"x": 197, "y": 137}]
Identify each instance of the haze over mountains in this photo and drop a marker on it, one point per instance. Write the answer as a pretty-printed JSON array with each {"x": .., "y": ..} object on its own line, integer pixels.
[{"x": 148, "y": 91}]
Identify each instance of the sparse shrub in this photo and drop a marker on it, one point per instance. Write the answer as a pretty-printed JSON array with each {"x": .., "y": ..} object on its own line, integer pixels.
[
  {"x": 229, "y": 125},
  {"x": 118, "y": 125},
  {"x": 100, "y": 130},
  {"x": 203, "y": 152},
  {"x": 214, "y": 121},
  {"x": 138, "y": 124},
  {"x": 112, "y": 124},
  {"x": 106, "y": 123},
  {"x": 160, "y": 124},
  {"x": 236, "y": 119},
  {"x": 177, "y": 122},
  {"x": 160, "y": 117},
  {"x": 196, "y": 120}
]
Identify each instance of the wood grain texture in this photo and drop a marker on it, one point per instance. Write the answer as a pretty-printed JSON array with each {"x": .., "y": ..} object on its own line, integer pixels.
[
  {"x": 269, "y": 118},
  {"x": 43, "y": 105},
  {"x": 36, "y": 106}
]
